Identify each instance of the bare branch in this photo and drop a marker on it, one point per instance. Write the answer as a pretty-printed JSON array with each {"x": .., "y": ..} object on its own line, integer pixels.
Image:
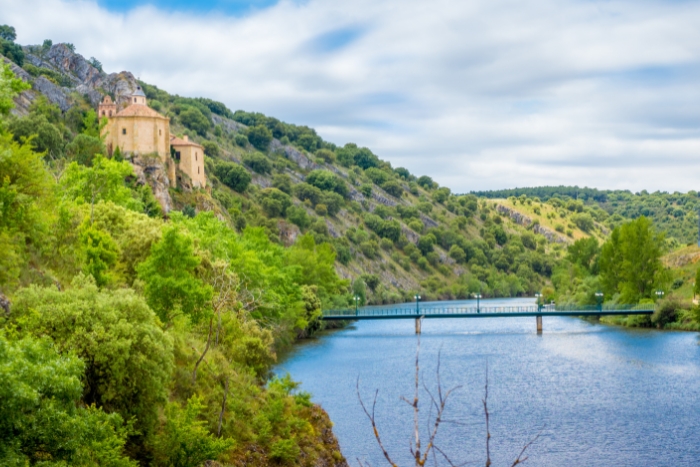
[
  {"x": 520, "y": 459},
  {"x": 206, "y": 349},
  {"x": 486, "y": 414},
  {"x": 373, "y": 421}
]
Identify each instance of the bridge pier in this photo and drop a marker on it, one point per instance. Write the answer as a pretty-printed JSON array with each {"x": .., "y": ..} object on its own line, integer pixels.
[
  {"x": 418, "y": 324},
  {"x": 539, "y": 324}
]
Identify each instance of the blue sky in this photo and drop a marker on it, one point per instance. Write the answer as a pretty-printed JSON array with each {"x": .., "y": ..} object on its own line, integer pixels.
[
  {"x": 231, "y": 7},
  {"x": 479, "y": 94}
]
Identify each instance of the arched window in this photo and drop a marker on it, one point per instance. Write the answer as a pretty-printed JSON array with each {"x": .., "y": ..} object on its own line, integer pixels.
[
  {"x": 123, "y": 131},
  {"x": 134, "y": 100},
  {"x": 195, "y": 155}
]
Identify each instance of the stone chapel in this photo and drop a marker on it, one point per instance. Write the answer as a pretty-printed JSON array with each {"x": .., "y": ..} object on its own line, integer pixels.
[{"x": 138, "y": 130}]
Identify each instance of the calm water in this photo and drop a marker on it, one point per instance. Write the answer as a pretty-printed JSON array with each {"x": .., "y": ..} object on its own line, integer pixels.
[{"x": 601, "y": 396}]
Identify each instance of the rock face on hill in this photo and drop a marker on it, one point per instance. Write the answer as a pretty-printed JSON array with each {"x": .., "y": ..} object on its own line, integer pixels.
[
  {"x": 522, "y": 219},
  {"x": 80, "y": 78}
]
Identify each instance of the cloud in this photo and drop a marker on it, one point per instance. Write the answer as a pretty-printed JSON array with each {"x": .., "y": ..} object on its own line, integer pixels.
[{"x": 480, "y": 94}]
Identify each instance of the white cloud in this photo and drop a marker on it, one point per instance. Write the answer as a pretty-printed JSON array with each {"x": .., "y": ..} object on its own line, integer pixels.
[{"x": 480, "y": 94}]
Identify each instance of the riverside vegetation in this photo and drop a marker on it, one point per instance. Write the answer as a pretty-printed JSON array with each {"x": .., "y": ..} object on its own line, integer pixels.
[{"x": 140, "y": 324}]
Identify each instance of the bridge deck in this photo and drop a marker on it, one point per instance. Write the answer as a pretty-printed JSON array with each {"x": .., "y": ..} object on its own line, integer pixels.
[{"x": 406, "y": 312}]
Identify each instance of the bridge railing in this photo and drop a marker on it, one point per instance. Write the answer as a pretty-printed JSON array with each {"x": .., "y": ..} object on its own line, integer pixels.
[{"x": 465, "y": 310}]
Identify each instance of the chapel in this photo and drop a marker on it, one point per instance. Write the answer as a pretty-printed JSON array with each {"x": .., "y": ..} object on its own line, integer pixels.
[{"x": 139, "y": 130}]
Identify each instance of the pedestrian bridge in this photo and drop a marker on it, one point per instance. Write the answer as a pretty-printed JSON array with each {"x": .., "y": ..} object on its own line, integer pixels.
[{"x": 438, "y": 310}]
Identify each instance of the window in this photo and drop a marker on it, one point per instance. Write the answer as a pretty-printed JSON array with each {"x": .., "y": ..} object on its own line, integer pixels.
[
  {"x": 177, "y": 155},
  {"x": 134, "y": 100},
  {"x": 195, "y": 155},
  {"x": 197, "y": 170},
  {"x": 123, "y": 131},
  {"x": 110, "y": 113},
  {"x": 160, "y": 132}
]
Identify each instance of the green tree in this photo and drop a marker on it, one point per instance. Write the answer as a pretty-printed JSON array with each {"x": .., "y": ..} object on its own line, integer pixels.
[
  {"x": 194, "y": 119},
  {"x": 10, "y": 86},
  {"x": 630, "y": 261},
  {"x": 84, "y": 148},
  {"x": 101, "y": 253},
  {"x": 260, "y": 137},
  {"x": 41, "y": 420},
  {"x": 45, "y": 137},
  {"x": 393, "y": 187},
  {"x": 258, "y": 162},
  {"x": 584, "y": 252},
  {"x": 8, "y": 33},
  {"x": 583, "y": 221},
  {"x": 232, "y": 175},
  {"x": 185, "y": 440},
  {"x": 274, "y": 202},
  {"x": 426, "y": 243},
  {"x": 426, "y": 182},
  {"x": 171, "y": 285},
  {"x": 128, "y": 357}
]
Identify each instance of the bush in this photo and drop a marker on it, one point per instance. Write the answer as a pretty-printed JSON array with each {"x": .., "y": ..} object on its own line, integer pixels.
[
  {"x": 426, "y": 182},
  {"x": 326, "y": 155},
  {"x": 258, "y": 162},
  {"x": 241, "y": 140},
  {"x": 233, "y": 176},
  {"x": 305, "y": 192},
  {"x": 297, "y": 215},
  {"x": 211, "y": 149},
  {"x": 327, "y": 181},
  {"x": 283, "y": 183},
  {"x": 386, "y": 244},
  {"x": 194, "y": 119},
  {"x": 394, "y": 188},
  {"x": 366, "y": 190},
  {"x": 370, "y": 249},
  {"x": 321, "y": 209},
  {"x": 260, "y": 137},
  {"x": 583, "y": 221},
  {"x": 457, "y": 254},
  {"x": 84, "y": 148},
  {"x": 426, "y": 243},
  {"x": 422, "y": 263},
  {"x": 666, "y": 312},
  {"x": 274, "y": 202},
  {"x": 377, "y": 176}
]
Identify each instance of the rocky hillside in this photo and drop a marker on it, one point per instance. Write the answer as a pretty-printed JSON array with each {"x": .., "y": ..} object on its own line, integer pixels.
[{"x": 394, "y": 233}]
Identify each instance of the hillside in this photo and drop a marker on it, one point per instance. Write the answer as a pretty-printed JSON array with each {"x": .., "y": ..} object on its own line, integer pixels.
[{"x": 398, "y": 232}]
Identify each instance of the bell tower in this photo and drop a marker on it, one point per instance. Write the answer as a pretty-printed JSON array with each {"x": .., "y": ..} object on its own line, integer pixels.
[{"x": 107, "y": 108}]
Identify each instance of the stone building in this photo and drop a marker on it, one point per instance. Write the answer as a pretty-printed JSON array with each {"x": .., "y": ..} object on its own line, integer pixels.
[{"x": 141, "y": 131}]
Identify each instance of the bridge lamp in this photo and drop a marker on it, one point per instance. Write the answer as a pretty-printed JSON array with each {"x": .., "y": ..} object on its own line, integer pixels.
[
  {"x": 477, "y": 296},
  {"x": 417, "y": 297},
  {"x": 659, "y": 294},
  {"x": 599, "y": 299},
  {"x": 539, "y": 300},
  {"x": 357, "y": 301}
]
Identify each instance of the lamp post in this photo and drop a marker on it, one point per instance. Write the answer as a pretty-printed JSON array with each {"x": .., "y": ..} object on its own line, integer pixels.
[
  {"x": 539, "y": 301},
  {"x": 659, "y": 294},
  {"x": 599, "y": 299},
  {"x": 357, "y": 301},
  {"x": 477, "y": 296},
  {"x": 417, "y": 297}
]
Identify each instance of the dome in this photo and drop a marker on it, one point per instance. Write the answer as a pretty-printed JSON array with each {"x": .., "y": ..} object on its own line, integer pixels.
[{"x": 139, "y": 92}]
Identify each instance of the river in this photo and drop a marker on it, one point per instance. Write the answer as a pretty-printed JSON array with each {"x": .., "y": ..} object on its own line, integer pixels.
[{"x": 599, "y": 395}]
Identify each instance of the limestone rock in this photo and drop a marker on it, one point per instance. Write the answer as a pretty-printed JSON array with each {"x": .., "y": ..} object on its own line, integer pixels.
[{"x": 152, "y": 171}]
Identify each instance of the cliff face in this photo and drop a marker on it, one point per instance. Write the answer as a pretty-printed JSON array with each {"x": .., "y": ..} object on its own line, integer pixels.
[{"x": 80, "y": 78}]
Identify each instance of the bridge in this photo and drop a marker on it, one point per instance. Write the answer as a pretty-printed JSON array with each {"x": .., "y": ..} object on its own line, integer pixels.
[{"x": 438, "y": 310}]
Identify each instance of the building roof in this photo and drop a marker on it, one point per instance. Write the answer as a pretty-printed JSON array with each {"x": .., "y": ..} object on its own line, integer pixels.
[
  {"x": 139, "y": 110},
  {"x": 139, "y": 92},
  {"x": 175, "y": 141}
]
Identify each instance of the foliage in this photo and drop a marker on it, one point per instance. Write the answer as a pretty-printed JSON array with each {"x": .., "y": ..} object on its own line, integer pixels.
[
  {"x": 630, "y": 261},
  {"x": 10, "y": 86},
  {"x": 258, "y": 162},
  {"x": 128, "y": 357},
  {"x": 260, "y": 137},
  {"x": 194, "y": 119},
  {"x": 327, "y": 181},
  {"x": 274, "y": 202},
  {"x": 84, "y": 148},
  {"x": 103, "y": 181},
  {"x": 171, "y": 287},
  {"x": 40, "y": 420},
  {"x": 185, "y": 440},
  {"x": 232, "y": 175}
]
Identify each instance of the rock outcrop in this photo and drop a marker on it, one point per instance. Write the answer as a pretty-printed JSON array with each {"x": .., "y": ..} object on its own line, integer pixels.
[
  {"x": 521, "y": 219},
  {"x": 152, "y": 171}
]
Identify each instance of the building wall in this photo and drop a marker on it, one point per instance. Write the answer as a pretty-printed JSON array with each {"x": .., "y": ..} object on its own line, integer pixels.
[
  {"x": 192, "y": 164},
  {"x": 144, "y": 135}
]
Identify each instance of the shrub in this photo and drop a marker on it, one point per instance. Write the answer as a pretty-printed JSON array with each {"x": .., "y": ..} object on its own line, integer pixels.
[
  {"x": 297, "y": 215},
  {"x": 426, "y": 182},
  {"x": 305, "y": 192},
  {"x": 211, "y": 149},
  {"x": 666, "y": 312},
  {"x": 283, "y": 183},
  {"x": 326, "y": 155},
  {"x": 370, "y": 249},
  {"x": 386, "y": 244},
  {"x": 274, "y": 202},
  {"x": 366, "y": 190},
  {"x": 377, "y": 176},
  {"x": 559, "y": 228},
  {"x": 426, "y": 243},
  {"x": 258, "y": 162},
  {"x": 260, "y": 137},
  {"x": 457, "y": 254},
  {"x": 321, "y": 209},
  {"x": 416, "y": 225},
  {"x": 583, "y": 221},
  {"x": 194, "y": 119},
  {"x": 422, "y": 263},
  {"x": 327, "y": 181},
  {"x": 232, "y": 175},
  {"x": 394, "y": 188},
  {"x": 241, "y": 140}
]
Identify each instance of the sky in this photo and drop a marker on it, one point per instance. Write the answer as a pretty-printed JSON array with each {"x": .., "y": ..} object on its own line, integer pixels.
[{"x": 478, "y": 94}]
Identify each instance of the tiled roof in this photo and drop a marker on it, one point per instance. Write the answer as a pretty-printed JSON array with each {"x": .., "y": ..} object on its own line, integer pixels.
[
  {"x": 175, "y": 141},
  {"x": 139, "y": 110}
]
